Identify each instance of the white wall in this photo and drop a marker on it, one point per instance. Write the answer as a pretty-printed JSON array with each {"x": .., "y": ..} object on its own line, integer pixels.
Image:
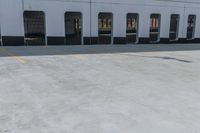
[
  {"x": 11, "y": 15},
  {"x": 54, "y": 11},
  {"x": 120, "y": 10}
]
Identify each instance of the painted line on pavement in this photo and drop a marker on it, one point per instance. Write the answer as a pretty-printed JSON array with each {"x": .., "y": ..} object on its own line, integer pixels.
[{"x": 13, "y": 55}]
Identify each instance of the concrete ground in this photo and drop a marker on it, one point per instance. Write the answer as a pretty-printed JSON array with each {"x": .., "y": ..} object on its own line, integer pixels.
[{"x": 100, "y": 89}]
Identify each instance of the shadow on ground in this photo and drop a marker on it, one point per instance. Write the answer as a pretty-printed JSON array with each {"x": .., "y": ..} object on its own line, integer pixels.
[
  {"x": 94, "y": 49},
  {"x": 161, "y": 57}
]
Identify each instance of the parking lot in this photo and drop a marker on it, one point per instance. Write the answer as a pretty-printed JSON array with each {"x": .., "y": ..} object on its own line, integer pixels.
[{"x": 100, "y": 89}]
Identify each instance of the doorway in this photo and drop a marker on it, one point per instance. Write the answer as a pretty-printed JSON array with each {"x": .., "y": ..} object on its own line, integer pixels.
[
  {"x": 73, "y": 28},
  {"x": 154, "y": 28},
  {"x": 0, "y": 37},
  {"x": 191, "y": 27},
  {"x": 174, "y": 27},
  {"x": 132, "y": 28},
  {"x": 34, "y": 26},
  {"x": 105, "y": 27}
]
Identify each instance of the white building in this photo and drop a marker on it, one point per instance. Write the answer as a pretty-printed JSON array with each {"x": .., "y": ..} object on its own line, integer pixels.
[{"x": 68, "y": 22}]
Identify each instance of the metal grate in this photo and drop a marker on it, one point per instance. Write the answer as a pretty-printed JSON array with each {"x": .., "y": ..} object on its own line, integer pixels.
[
  {"x": 191, "y": 26},
  {"x": 105, "y": 27},
  {"x": 154, "y": 27},
  {"x": 132, "y": 28},
  {"x": 34, "y": 26},
  {"x": 174, "y": 27},
  {"x": 0, "y": 38},
  {"x": 73, "y": 28}
]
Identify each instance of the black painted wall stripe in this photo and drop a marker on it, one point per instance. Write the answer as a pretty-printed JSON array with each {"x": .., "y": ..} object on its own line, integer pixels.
[
  {"x": 19, "y": 40},
  {"x": 13, "y": 40},
  {"x": 55, "y": 40}
]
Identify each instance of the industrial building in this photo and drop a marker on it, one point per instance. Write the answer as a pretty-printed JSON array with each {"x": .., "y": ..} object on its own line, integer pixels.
[{"x": 87, "y": 22}]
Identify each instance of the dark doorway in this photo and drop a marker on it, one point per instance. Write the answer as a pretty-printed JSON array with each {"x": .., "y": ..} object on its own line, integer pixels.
[
  {"x": 73, "y": 28},
  {"x": 34, "y": 26},
  {"x": 132, "y": 28},
  {"x": 191, "y": 27},
  {"x": 174, "y": 27},
  {"x": 105, "y": 28},
  {"x": 155, "y": 28},
  {"x": 0, "y": 37}
]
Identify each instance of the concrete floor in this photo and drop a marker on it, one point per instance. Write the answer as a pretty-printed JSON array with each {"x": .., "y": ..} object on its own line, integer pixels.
[{"x": 50, "y": 90}]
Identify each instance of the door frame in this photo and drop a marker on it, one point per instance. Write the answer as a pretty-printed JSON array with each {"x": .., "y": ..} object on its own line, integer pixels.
[
  {"x": 159, "y": 22},
  {"x": 137, "y": 22},
  {"x": 45, "y": 34},
  {"x": 177, "y": 28},
  {"x": 112, "y": 18},
  {"x": 81, "y": 17}
]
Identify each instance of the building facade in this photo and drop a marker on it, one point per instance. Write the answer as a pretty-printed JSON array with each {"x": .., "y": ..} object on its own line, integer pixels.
[{"x": 76, "y": 22}]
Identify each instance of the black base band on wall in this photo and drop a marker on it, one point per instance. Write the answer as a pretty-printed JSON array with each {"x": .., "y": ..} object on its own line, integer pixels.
[
  {"x": 173, "y": 41},
  {"x": 87, "y": 40},
  {"x": 167, "y": 41},
  {"x": 143, "y": 40},
  {"x": 182, "y": 40},
  {"x": 95, "y": 40},
  {"x": 90, "y": 40},
  {"x": 164, "y": 40},
  {"x": 196, "y": 40},
  {"x": 13, "y": 40},
  {"x": 55, "y": 40},
  {"x": 185, "y": 40},
  {"x": 119, "y": 40},
  {"x": 19, "y": 40}
]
